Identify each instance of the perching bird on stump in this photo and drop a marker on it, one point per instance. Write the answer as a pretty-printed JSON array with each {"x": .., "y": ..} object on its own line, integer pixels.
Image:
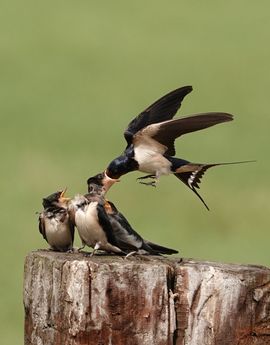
[
  {"x": 126, "y": 238},
  {"x": 55, "y": 224}
]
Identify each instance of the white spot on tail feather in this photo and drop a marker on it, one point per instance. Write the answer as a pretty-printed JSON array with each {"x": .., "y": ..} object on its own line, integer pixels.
[{"x": 192, "y": 178}]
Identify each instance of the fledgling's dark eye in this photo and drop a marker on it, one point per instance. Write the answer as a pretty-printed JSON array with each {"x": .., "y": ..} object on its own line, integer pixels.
[{"x": 82, "y": 204}]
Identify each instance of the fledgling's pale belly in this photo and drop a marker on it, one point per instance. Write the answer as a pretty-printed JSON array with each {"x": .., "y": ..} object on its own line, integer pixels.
[
  {"x": 58, "y": 233},
  {"x": 88, "y": 227}
]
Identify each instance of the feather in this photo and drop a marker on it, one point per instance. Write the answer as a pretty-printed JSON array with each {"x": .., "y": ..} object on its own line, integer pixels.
[
  {"x": 162, "y": 110},
  {"x": 166, "y": 132}
]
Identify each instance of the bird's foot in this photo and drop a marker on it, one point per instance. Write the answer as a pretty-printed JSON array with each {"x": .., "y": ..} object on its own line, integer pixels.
[
  {"x": 151, "y": 183},
  {"x": 96, "y": 248},
  {"x": 80, "y": 249},
  {"x": 71, "y": 250},
  {"x": 86, "y": 254},
  {"x": 130, "y": 254},
  {"x": 93, "y": 252},
  {"x": 145, "y": 177}
]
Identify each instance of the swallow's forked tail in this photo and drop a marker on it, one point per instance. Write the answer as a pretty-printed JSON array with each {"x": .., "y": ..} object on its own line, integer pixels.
[{"x": 191, "y": 173}]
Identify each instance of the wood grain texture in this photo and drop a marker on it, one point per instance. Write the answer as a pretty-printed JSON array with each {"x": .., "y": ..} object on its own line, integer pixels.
[
  {"x": 76, "y": 300},
  {"x": 222, "y": 304}
]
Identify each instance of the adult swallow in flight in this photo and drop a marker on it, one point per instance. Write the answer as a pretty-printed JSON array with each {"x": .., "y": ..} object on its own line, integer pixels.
[
  {"x": 55, "y": 224},
  {"x": 125, "y": 236},
  {"x": 93, "y": 224},
  {"x": 150, "y": 142}
]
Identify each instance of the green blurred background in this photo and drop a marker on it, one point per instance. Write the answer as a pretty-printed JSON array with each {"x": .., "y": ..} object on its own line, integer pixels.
[{"x": 74, "y": 73}]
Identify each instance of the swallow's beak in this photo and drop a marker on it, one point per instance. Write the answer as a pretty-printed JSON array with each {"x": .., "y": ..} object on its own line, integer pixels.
[
  {"x": 108, "y": 182},
  {"x": 62, "y": 197}
]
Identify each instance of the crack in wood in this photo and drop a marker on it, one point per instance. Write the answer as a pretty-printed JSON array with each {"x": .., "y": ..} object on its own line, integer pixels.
[
  {"x": 203, "y": 305},
  {"x": 195, "y": 298}
]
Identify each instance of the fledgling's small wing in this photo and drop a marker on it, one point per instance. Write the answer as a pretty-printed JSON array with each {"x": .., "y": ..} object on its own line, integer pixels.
[
  {"x": 126, "y": 237},
  {"x": 41, "y": 225},
  {"x": 105, "y": 223},
  {"x": 166, "y": 132},
  {"x": 129, "y": 237},
  {"x": 162, "y": 110}
]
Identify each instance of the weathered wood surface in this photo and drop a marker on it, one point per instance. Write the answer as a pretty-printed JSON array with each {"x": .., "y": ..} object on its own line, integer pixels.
[{"x": 107, "y": 300}]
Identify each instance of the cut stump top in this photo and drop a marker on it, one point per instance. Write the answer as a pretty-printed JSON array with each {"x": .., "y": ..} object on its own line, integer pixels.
[{"x": 72, "y": 299}]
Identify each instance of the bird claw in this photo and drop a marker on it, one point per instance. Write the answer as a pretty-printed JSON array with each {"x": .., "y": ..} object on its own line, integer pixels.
[
  {"x": 130, "y": 254},
  {"x": 71, "y": 250},
  {"x": 87, "y": 254},
  {"x": 80, "y": 249},
  {"x": 152, "y": 183},
  {"x": 145, "y": 177}
]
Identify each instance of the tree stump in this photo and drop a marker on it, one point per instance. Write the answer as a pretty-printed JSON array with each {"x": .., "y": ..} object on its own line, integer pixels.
[{"x": 71, "y": 299}]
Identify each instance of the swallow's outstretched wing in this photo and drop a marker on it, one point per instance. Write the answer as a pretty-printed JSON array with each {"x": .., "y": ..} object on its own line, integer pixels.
[
  {"x": 162, "y": 110},
  {"x": 166, "y": 132}
]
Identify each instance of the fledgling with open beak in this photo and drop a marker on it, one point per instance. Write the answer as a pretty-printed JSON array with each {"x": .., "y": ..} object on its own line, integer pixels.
[
  {"x": 55, "y": 224},
  {"x": 126, "y": 238},
  {"x": 93, "y": 224},
  {"x": 150, "y": 142}
]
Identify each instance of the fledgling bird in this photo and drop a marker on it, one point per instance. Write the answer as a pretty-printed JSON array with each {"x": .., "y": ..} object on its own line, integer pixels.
[
  {"x": 150, "y": 143},
  {"x": 125, "y": 236},
  {"x": 93, "y": 224},
  {"x": 55, "y": 224}
]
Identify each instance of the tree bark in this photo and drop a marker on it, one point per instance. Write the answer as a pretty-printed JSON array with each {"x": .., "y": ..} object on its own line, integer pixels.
[{"x": 71, "y": 299}]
